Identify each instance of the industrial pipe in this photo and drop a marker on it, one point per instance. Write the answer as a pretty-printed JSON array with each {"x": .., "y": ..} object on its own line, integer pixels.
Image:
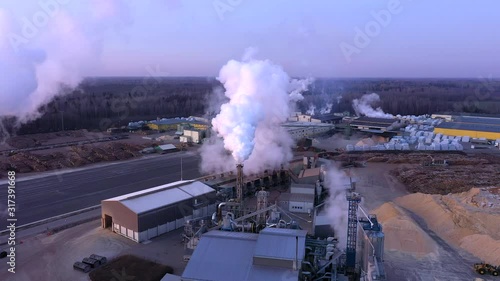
[{"x": 219, "y": 210}]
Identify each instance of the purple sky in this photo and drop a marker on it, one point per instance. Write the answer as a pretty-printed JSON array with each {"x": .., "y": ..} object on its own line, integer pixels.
[{"x": 424, "y": 38}]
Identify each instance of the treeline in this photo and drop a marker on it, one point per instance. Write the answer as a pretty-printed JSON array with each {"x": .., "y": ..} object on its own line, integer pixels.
[
  {"x": 101, "y": 103},
  {"x": 105, "y": 102},
  {"x": 406, "y": 97}
]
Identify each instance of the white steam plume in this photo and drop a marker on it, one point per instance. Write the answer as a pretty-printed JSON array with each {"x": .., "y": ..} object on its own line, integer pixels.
[
  {"x": 365, "y": 106},
  {"x": 326, "y": 109},
  {"x": 261, "y": 97},
  {"x": 311, "y": 110},
  {"x": 39, "y": 62},
  {"x": 337, "y": 207}
]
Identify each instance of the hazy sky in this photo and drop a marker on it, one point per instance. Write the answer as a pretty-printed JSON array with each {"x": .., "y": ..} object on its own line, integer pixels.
[{"x": 424, "y": 38}]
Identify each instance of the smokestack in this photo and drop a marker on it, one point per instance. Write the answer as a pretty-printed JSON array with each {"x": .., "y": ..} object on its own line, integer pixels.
[{"x": 239, "y": 183}]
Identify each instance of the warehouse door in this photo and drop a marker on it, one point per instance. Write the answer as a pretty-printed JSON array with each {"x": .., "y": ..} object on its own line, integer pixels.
[{"x": 108, "y": 221}]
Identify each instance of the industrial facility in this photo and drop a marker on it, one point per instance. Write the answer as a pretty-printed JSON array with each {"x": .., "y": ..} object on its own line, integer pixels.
[
  {"x": 288, "y": 238},
  {"x": 271, "y": 226},
  {"x": 165, "y": 124},
  {"x": 376, "y": 125},
  {"x": 276, "y": 225},
  {"x": 471, "y": 126}
]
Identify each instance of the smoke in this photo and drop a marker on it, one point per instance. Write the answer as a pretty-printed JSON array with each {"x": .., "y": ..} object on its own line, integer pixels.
[
  {"x": 215, "y": 100},
  {"x": 297, "y": 87},
  {"x": 337, "y": 207},
  {"x": 327, "y": 109},
  {"x": 311, "y": 110},
  {"x": 40, "y": 61},
  {"x": 324, "y": 110},
  {"x": 214, "y": 157},
  {"x": 365, "y": 106},
  {"x": 261, "y": 97}
]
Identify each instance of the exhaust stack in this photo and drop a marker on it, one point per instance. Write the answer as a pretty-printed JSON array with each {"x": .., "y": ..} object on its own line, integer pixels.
[{"x": 239, "y": 183}]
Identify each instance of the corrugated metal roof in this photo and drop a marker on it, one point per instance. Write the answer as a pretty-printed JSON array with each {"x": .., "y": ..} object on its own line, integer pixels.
[
  {"x": 373, "y": 122},
  {"x": 149, "y": 190},
  {"x": 228, "y": 256},
  {"x": 222, "y": 256},
  {"x": 280, "y": 243},
  {"x": 477, "y": 120},
  {"x": 167, "y": 147},
  {"x": 196, "y": 188},
  {"x": 495, "y": 128},
  {"x": 155, "y": 200},
  {"x": 297, "y": 197},
  {"x": 264, "y": 273},
  {"x": 326, "y": 117},
  {"x": 163, "y": 195}
]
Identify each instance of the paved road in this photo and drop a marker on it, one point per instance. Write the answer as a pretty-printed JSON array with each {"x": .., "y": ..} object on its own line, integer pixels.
[{"x": 46, "y": 196}]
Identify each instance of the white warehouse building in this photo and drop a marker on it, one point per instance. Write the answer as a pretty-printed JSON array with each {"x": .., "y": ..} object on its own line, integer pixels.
[{"x": 149, "y": 213}]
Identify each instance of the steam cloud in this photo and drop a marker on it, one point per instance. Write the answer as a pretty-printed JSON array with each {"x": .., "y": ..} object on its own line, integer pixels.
[
  {"x": 41, "y": 61},
  {"x": 337, "y": 207},
  {"x": 365, "y": 106},
  {"x": 324, "y": 110},
  {"x": 261, "y": 97}
]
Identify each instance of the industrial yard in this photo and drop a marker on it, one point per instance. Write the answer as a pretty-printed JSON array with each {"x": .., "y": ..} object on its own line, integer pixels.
[
  {"x": 418, "y": 208},
  {"x": 431, "y": 232},
  {"x": 249, "y": 141}
]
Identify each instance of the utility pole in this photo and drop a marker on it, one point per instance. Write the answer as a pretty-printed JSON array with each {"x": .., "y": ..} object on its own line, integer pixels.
[{"x": 181, "y": 167}]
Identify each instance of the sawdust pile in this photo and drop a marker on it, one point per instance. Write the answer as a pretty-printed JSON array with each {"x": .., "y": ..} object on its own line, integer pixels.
[
  {"x": 462, "y": 173},
  {"x": 464, "y": 220},
  {"x": 397, "y": 157},
  {"x": 34, "y": 140},
  {"x": 444, "y": 180},
  {"x": 74, "y": 156},
  {"x": 402, "y": 233}
]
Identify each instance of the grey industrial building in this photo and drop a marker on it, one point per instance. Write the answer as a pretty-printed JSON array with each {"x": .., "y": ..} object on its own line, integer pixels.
[
  {"x": 328, "y": 118},
  {"x": 375, "y": 125},
  {"x": 148, "y": 213},
  {"x": 273, "y": 254}
]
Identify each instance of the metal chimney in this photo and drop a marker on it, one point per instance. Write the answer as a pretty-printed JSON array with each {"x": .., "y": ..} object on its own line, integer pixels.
[{"x": 239, "y": 183}]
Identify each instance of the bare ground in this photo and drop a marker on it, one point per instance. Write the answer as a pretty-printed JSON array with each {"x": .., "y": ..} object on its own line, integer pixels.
[
  {"x": 51, "y": 257},
  {"x": 70, "y": 156},
  {"x": 463, "y": 172},
  {"x": 424, "y": 244}
]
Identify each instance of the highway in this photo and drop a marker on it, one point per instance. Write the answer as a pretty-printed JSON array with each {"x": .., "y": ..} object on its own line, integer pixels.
[{"x": 43, "y": 196}]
